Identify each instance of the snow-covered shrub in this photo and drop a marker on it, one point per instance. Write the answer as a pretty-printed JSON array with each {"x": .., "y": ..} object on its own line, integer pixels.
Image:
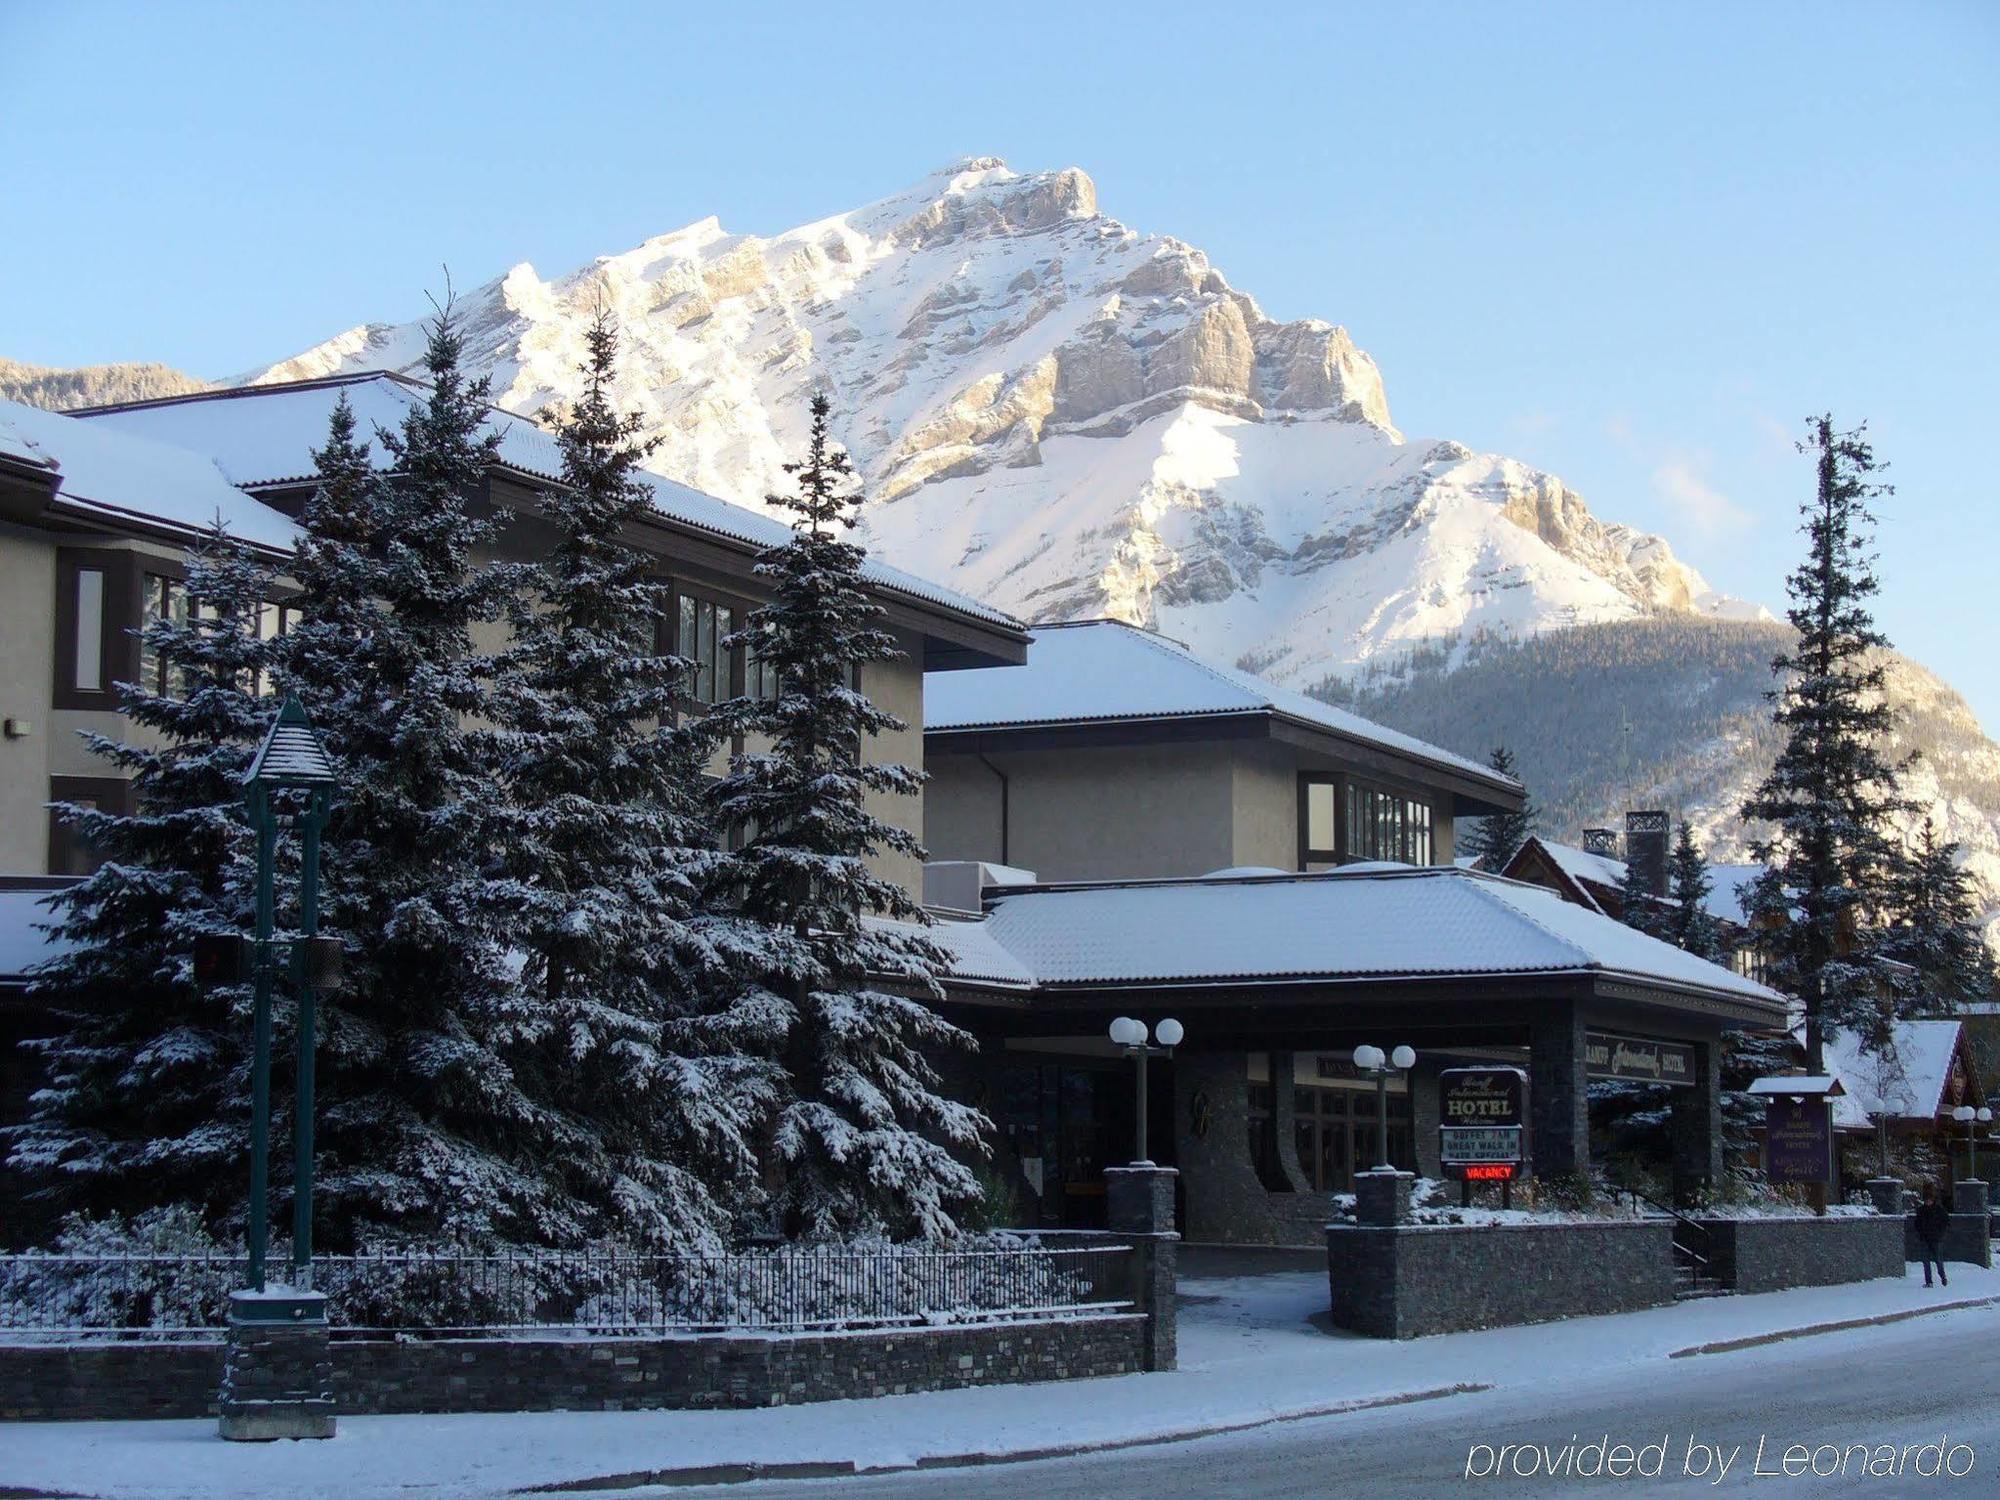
[{"x": 159, "y": 1270}]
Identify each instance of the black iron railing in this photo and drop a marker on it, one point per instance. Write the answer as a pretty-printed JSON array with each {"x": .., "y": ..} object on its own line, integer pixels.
[{"x": 785, "y": 1289}]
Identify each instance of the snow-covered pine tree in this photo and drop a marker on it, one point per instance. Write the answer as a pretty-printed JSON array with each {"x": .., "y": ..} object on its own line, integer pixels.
[
  {"x": 321, "y": 658},
  {"x": 863, "y": 1140},
  {"x": 602, "y": 848},
  {"x": 1933, "y": 926},
  {"x": 1688, "y": 923},
  {"x": 425, "y": 1131},
  {"x": 1831, "y": 791},
  {"x": 146, "y": 1096},
  {"x": 1494, "y": 840}
]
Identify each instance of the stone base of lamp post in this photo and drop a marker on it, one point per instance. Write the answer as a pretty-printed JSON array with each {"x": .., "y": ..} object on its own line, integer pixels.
[
  {"x": 1968, "y": 1196},
  {"x": 1382, "y": 1197},
  {"x": 277, "y": 1373},
  {"x": 1887, "y": 1194},
  {"x": 1139, "y": 1206}
]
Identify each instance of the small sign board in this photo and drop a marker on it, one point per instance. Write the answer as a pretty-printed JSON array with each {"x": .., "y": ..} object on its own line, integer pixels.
[
  {"x": 1798, "y": 1139},
  {"x": 1482, "y": 1115},
  {"x": 1638, "y": 1059},
  {"x": 1489, "y": 1171}
]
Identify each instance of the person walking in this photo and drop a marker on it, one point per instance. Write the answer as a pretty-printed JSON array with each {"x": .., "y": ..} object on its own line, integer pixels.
[{"x": 1932, "y": 1222}]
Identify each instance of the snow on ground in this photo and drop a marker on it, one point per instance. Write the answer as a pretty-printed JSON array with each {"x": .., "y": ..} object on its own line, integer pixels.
[{"x": 1249, "y": 1346}]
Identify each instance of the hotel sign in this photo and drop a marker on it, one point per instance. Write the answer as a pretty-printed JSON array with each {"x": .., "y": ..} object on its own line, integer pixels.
[
  {"x": 1481, "y": 1114},
  {"x": 1798, "y": 1140},
  {"x": 1634, "y": 1059}
]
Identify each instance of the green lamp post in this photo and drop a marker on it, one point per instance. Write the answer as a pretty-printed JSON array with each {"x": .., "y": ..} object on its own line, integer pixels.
[{"x": 289, "y": 782}]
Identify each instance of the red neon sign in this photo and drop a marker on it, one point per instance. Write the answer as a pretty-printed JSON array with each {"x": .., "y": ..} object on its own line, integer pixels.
[{"x": 1489, "y": 1171}]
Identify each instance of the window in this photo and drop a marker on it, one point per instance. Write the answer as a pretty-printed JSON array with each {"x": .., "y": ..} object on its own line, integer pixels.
[
  {"x": 1341, "y": 821},
  {"x": 701, "y": 627},
  {"x": 161, "y": 598},
  {"x": 760, "y": 677},
  {"x": 89, "y": 663},
  {"x": 1383, "y": 825},
  {"x": 70, "y": 851}
]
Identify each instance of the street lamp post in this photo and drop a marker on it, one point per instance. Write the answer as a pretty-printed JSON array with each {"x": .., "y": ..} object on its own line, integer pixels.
[
  {"x": 1130, "y": 1034},
  {"x": 293, "y": 764},
  {"x": 1374, "y": 1063},
  {"x": 1972, "y": 1119}
]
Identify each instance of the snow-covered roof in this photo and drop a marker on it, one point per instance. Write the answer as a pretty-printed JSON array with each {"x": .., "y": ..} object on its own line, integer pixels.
[
  {"x": 264, "y": 436},
  {"x": 1335, "y": 925},
  {"x": 1913, "y": 1088},
  {"x": 23, "y": 944},
  {"x": 976, "y": 956},
  {"x": 1728, "y": 884},
  {"x": 1099, "y": 671},
  {"x": 1581, "y": 864},
  {"x": 126, "y": 477}
]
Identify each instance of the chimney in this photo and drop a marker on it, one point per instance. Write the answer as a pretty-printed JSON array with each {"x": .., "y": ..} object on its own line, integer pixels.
[
  {"x": 1602, "y": 841},
  {"x": 1646, "y": 849}
]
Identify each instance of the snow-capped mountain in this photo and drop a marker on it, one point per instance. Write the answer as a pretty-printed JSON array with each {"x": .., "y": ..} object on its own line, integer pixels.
[{"x": 1066, "y": 417}]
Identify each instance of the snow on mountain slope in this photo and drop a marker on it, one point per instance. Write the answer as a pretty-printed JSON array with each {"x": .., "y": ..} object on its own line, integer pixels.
[{"x": 1067, "y": 418}]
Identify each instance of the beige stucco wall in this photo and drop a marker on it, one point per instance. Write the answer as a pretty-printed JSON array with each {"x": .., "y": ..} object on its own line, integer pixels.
[
  {"x": 1100, "y": 814},
  {"x": 1264, "y": 825},
  {"x": 898, "y": 686},
  {"x": 27, "y": 649}
]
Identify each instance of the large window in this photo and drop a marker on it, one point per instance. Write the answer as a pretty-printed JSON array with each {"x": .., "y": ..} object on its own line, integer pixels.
[
  {"x": 760, "y": 677},
  {"x": 161, "y": 598},
  {"x": 1383, "y": 825},
  {"x": 1336, "y": 1134},
  {"x": 700, "y": 629},
  {"x": 1344, "y": 821},
  {"x": 89, "y": 676}
]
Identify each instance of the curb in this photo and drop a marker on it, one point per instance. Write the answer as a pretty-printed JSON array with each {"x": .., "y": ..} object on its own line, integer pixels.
[
  {"x": 744, "y": 1473},
  {"x": 1756, "y": 1341}
]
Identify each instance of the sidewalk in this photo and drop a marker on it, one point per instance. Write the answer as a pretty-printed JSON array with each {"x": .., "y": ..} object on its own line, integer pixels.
[{"x": 1249, "y": 1354}]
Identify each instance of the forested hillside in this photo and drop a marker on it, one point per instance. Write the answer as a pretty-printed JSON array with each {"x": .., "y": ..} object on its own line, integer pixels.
[
  {"x": 1666, "y": 712},
  {"x": 92, "y": 385}
]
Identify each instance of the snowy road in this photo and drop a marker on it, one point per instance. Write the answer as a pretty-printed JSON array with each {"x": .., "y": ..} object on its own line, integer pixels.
[{"x": 1908, "y": 1384}]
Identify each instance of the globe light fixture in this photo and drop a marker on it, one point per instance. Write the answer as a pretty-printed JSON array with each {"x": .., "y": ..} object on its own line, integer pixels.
[
  {"x": 1375, "y": 1063},
  {"x": 1130, "y": 1033}
]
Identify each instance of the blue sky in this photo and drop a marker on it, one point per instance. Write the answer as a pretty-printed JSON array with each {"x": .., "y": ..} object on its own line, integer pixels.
[{"x": 1635, "y": 245}]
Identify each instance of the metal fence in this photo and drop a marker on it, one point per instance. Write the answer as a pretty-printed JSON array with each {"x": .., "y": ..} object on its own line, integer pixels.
[{"x": 781, "y": 1290}]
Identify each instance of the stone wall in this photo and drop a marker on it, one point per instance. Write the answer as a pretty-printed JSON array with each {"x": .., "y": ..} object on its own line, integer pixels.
[
  {"x": 1412, "y": 1280},
  {"x": 122, "y": 1380},
  {"x": 1767, "y": 1255}
]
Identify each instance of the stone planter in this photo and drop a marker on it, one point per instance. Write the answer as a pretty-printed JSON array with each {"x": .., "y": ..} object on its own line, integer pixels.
[
  {"x": 1416, "y": 1279},
  {"x": 1769, "y": 1254}
]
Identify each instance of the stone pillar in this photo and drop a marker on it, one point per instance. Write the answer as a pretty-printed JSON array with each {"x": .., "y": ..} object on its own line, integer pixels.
[
  {"x": 1382, "y": 1198},
  {"x": 1226, "y": 1204},
  {"x": 277, "y": 1372},
  {"x": 1139, "y": 1206},
  {"x": 1695, "y": 1123},
  {"x": 1887, "y": 1193},
  {"x": 1559, "y": 1091},
  {"x": 1284, "y": 1120},
  {"x": 1968, "y": 1196},
  {"x": 1424, "y": 1106}
]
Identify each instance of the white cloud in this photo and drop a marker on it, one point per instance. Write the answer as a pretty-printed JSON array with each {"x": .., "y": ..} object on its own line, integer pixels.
[{"x": 1679, "y": 482}]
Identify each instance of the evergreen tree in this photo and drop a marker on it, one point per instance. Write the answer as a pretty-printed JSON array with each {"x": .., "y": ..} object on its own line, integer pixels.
[
  {"x": 321, "y": 660},
  {"x": 1687, "y": 923},
  {"x": 863, "y": 1139},
  {"x": 1934, "y": 928},
  {"x": 602, "y": 848},
  {"x": 1495, "y": 840},
  {"x": 1831, "y": 791},
  {"x": 425, "y": 1130},
  {"x": 1638, "y": 906},
  {"x": 146, "y": 1098}
]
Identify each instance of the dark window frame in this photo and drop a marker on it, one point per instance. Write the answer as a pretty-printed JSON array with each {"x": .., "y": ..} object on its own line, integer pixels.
[
  {"x": 67, "y": 852},
  {"x": 118, "y": 650}
]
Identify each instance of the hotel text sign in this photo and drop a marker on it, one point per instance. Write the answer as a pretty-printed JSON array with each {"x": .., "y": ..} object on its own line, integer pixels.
[
  {"x": 1798, "y": 1140},
  {"x": 1481, "y": 1112},
  {"x": 1636, "y": 1059}
]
